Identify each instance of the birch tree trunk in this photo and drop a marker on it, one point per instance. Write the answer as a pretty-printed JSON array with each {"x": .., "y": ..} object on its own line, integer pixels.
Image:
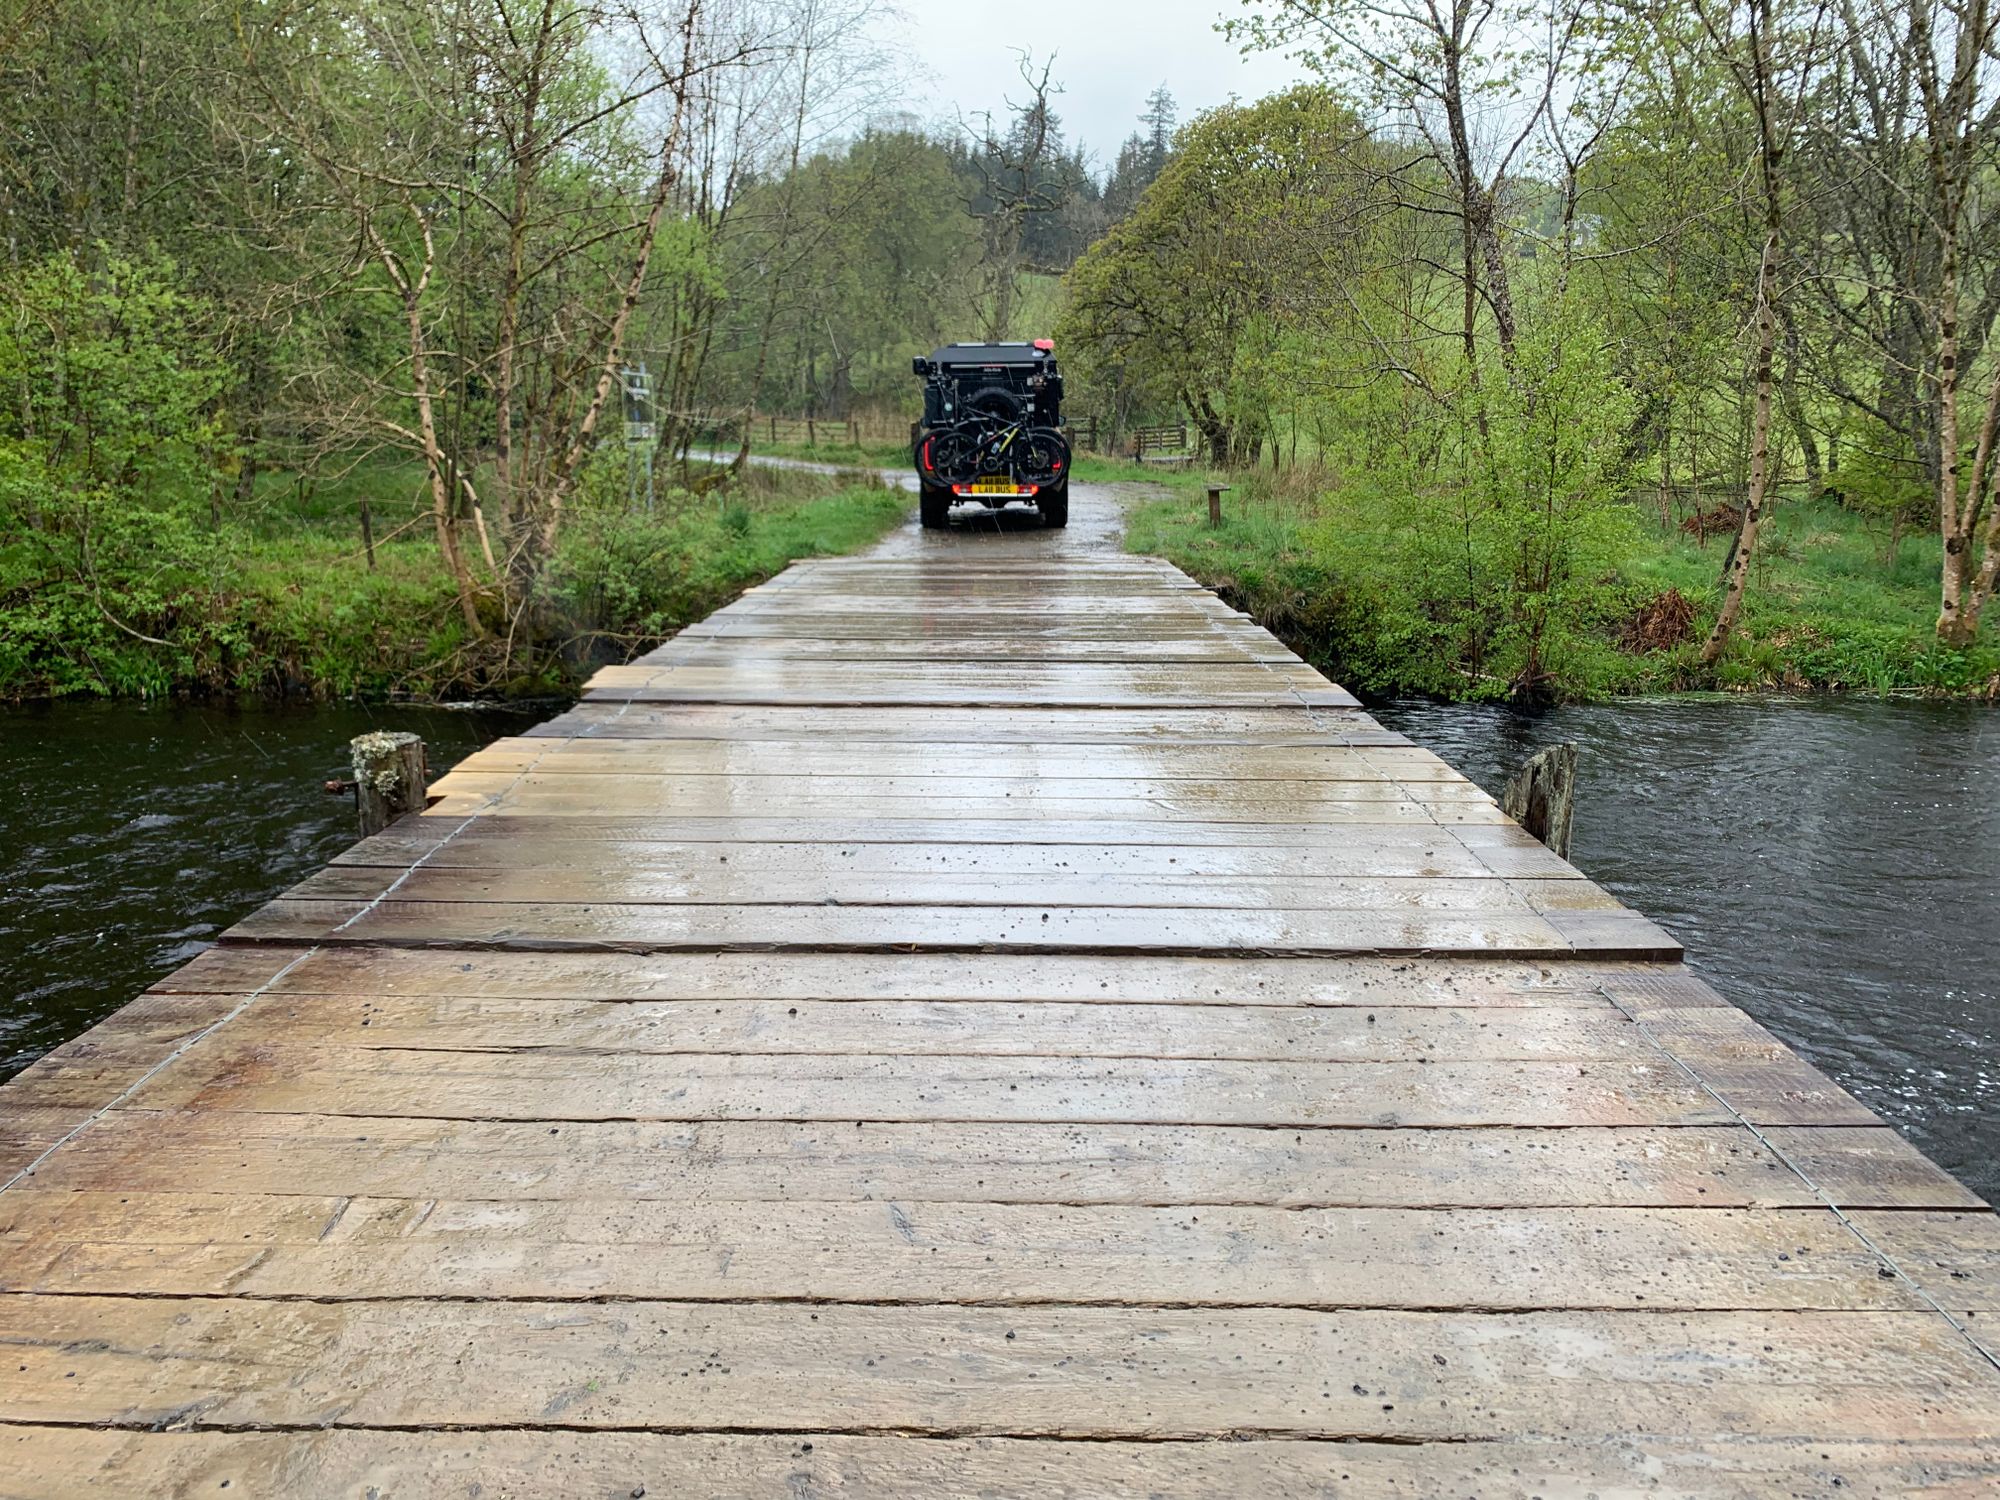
[{"x": 1760, "y": 446}]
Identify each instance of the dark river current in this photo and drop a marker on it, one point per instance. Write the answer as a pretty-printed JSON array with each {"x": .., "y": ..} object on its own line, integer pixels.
[{"x": 1833, "y": 867}]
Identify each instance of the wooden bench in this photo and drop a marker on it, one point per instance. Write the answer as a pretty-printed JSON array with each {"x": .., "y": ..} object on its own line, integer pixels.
[{"x": 1166, "y": 444}]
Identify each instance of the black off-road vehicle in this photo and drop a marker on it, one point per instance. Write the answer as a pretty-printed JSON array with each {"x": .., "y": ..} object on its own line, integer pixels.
[{"x": 992, "y": 430}]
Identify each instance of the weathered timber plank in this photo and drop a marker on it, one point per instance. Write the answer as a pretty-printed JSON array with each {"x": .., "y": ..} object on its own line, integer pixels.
[
  {"x": 145, "y": 1150},
  {"x": 28, "y": 1130},
  {"x": 545, "y": 795},
  {"x": 793, "y": 642},
  {"x": 54, "y": 1463},
  {"x": 1075, "y": 1371},
  {"x": 878, "y": 1027},
  {"x": 1362, "y": 853},
  {"x": 203, "y": 1244},
  {"x": 959, "y": 785},
  {"x": 331, "y": 1078},
  {"x": 1030, "y": 929},
  {"x": 1869, "y": 1167},
  {"x": 813, "y": 689},
  {"x": 950, "y": 760},
  {"x": 1748, "y": 1068},
  {"x": 1246, "y": 980},
  {"x": 1369, "y": 843},
  {"x": 994, "y": 726},
  {"x": 721, "y": 882},
  {"x": 1953, "y": 1256}
]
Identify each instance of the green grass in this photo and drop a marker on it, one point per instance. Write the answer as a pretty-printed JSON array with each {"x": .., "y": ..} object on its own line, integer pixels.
[
  {"x": 282, "y": 599},
  {"x": 879, "y": 455},
  {"x": 1826, "y": 608}
]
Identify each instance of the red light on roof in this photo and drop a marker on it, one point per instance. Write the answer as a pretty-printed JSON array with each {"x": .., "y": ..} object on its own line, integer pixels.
[{"x": 1047, "y": 346}]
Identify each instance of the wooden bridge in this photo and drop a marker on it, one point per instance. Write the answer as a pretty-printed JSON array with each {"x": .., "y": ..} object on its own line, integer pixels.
[{"x": 984, "y": 1019}]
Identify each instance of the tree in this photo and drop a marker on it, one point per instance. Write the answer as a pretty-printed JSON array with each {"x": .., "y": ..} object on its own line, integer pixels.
[
  {"x": 523, "y": 166},
  {"x": 1439, "y": 71},
  {"x": 1021, "y": 177},
  {"x": 1772, "y": 81},
  {"x": 1256, "y": 223}
]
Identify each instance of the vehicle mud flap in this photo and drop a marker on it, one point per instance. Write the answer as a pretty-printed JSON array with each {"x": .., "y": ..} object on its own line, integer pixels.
[{"x": 1054, "y": 505}]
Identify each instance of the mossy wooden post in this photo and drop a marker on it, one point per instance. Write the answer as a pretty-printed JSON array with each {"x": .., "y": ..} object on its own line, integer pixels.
[
  {"x": 390, "y": 777},
  {"x": 1215, "y": 494},
  {"x": 1542, "y": 794}
]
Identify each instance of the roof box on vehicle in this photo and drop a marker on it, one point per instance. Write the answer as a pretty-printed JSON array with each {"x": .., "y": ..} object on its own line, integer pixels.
[{"x": 993, "y": 354}]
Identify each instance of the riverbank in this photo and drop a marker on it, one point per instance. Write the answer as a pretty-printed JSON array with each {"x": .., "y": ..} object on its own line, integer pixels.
[
  {"x": 288, "y": 601},
  {"x": 1829, "y": 608}
]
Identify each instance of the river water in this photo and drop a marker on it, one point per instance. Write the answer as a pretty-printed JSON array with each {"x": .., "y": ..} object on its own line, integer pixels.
[
  {"x": 1833, "y": 867},
  {"x": 131, "y": 834}
]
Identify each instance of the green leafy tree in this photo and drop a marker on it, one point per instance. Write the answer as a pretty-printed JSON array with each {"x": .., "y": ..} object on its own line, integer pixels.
[
  {"x": 106, "y": 442},
  {"x": 1488, "y": 563}
]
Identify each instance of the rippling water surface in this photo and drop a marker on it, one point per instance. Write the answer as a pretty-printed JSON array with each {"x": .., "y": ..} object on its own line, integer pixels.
[
  {"x": 1832, "y": 866},
  {"x": 131, "y": 834}
]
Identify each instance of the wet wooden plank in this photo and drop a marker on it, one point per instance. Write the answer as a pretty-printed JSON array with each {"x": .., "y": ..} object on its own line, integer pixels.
[
  {"x": 968, "y": 785},
  {"x": 53, "y": 1462},
  {"x": 951, "y": 759},
  {"x": 338, "y": 1247},
  {"x": 1748, "y": 1068},
  {"x": 330, "y": 1078},
  {"x": 546, "y": 794},
  {"x": 1082, "y": 978},
  {"x": 1955, "y": 1257},
  {"x": 793, "y": 642},
  {"x": 1028, "y": 929},
  {"x": 909, "y": 1027},
  {"x": 1074, "y": 1163},
  {"x": 1190, "y": 686},
  {"x": 1025, "y": 865},
  {"x": 1869, "y": 1167},
  {"x": 1006, "y": 725},
  {"x": 1072, "y": 1371},
  {"x": 27, "y": 1131},
  {"x": 721, "y": 882},
  {"x": 414, "y": 838}
]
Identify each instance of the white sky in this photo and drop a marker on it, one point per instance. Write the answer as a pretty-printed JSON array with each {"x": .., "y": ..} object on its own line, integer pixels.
[{"x": 1109, "y": 55}]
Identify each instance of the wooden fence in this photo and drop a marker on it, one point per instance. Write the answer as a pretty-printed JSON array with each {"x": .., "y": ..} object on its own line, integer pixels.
[
  {"x": 828, "y": 432},
  {"x": 1164, "y": 444}
]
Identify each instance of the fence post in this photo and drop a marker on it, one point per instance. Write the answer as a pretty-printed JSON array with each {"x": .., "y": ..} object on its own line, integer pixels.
[
  {"x": 1215, "y": 494},
  {"x": 367, "y": 533},
  {"x": 1541, "y": 796},
  {"x": 390, "y": 777},
  {"x": 774, "y": 427},
  {"x": 812, "y": 436}
]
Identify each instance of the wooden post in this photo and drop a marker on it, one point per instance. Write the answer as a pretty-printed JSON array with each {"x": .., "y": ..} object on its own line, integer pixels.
[
  {"x": 812, "y": 437},
  {"x": 774, "y": 427},
  {"x": 1215, "y": 494},
  {"x": 1542, "y": 795},
  {"x": 390, "y": 777},
  {"x": 367, "y": 533}
]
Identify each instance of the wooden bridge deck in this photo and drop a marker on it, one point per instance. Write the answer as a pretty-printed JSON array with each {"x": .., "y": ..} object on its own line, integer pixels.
[{"x": 988, "y": 1020}]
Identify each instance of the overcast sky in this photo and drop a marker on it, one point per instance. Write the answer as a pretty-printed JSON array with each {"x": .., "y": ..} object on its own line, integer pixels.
[{"x": 1109, "y": 55}]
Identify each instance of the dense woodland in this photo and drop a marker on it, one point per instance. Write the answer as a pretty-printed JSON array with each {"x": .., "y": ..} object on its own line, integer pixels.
[{"x": 1568, "y": 335}]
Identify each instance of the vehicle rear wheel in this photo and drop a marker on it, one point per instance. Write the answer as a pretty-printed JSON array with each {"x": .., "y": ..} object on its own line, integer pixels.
[
  {"x": 933, "y": 507},
  {"x": 1054, "y": 504}
]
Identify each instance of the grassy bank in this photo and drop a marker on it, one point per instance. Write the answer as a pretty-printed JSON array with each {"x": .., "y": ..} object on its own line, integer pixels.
[
  {"x": 282, "y": 597},
  {"x": 1830, "y": 606}
]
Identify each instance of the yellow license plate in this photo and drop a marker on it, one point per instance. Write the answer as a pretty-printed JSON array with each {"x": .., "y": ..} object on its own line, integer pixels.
[{"x": 993, "y": 485}]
